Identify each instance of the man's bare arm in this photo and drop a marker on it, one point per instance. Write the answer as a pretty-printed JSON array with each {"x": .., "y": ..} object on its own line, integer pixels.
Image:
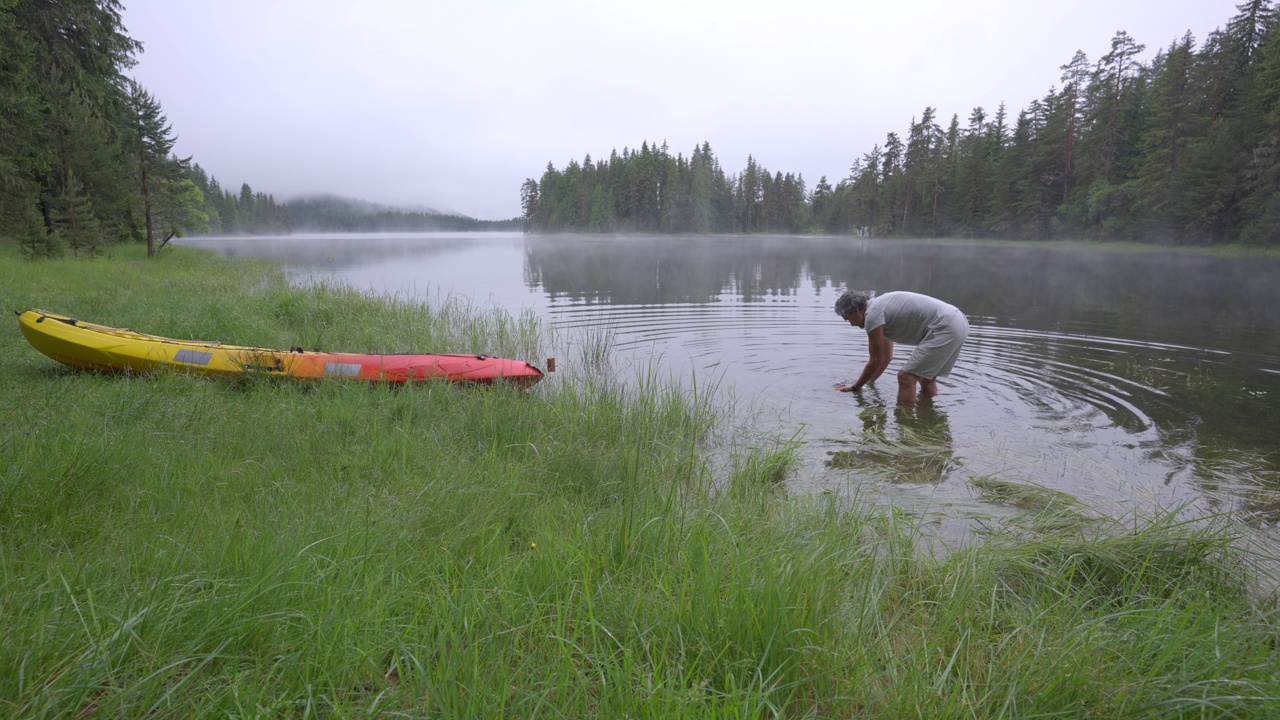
[{"x": 881, "y": 353}]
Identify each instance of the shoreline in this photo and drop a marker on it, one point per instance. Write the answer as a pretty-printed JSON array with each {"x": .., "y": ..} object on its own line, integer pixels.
[{"x": 178, "y": 545}]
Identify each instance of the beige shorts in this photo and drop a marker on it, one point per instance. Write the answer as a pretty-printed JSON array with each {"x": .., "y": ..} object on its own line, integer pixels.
[{"x": 936, "y": 354}]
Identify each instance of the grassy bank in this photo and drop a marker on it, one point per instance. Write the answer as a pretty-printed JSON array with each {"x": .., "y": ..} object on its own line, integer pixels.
[{"x": 173, "y": 546}]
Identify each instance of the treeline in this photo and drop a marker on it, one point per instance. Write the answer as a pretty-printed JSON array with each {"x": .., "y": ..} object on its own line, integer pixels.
[
  {"x": 243, "y": 213},
  {"x": 648, "y": 190},
  {"x": 336, "y": 214},
  {"x": 1184, "y": 149},
  {"x": 85, "y": 152}
]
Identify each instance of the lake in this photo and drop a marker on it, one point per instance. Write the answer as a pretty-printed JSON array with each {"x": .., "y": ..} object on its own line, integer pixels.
[{"x": 1126, "y": 378}]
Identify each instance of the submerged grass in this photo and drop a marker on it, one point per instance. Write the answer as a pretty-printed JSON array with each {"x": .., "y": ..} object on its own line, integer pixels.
[
  {"x": 1024, "y": 495},
  {"x": 174, "y": 547}
]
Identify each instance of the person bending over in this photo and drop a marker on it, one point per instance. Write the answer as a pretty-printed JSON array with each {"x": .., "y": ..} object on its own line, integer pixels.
[{"x": 936, "y": 329}]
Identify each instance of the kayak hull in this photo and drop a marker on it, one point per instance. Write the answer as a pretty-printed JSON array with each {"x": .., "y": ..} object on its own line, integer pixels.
[{"x": 87, "y": 345}]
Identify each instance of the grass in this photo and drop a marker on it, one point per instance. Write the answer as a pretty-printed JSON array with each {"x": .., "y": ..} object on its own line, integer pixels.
[
  {"x": 1024, "y": 495},
  {"x": 918, "y": 452},
  {"x": 172, "y": 546}
]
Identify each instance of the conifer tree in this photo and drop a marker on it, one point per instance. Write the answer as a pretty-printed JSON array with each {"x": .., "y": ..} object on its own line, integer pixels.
[
  {"x": 152, "y": 142},
  {"x": 74, "y": 222},
  {"x": 1261, "y": 205},
  {"x": 21, "y": 122},
  {"x": 1075, "y": 76},
  {"x": 701, "y": 190},
  {"x": 529, "y": 201},
  {"x": 24, "y": 223},
  {"x": 87, "y": 147},
  {"x": 1172, "y": 126},
  {"x": 56, "y": 57},
  {"x": 818, "y": 202},
  {"x": 1114, "y": 72}
]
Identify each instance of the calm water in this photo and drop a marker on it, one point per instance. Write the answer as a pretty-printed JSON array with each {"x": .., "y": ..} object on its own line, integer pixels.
[{"x": 1123, "y": 378}]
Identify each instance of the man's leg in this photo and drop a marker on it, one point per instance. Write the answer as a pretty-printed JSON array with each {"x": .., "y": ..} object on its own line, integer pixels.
[
  {"x": 907, "y": 388},
  {"x": 928, "y": 388}
]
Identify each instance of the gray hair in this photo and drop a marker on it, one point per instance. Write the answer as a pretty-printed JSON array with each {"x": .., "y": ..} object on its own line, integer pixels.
[{"x": 852, "y": 301}]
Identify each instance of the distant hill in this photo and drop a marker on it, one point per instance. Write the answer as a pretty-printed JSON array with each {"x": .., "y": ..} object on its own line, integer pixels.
[{"x": 330, "y": 213}]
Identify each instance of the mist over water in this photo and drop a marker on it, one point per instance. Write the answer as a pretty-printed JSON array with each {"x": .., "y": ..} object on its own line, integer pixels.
[{"x": 1123, "y": 378}]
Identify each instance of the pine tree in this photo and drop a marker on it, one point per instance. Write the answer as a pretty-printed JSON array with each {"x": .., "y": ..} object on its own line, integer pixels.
[
  {"x": 702, "y": 190},
  {"x": 22, "y": 136},
  {"x": 967, "y": 187},
  {"x": 889, "y": 207},
  {"x": 529, "y": 202},
  {"x": 818, "y": 202},
  {"x": 1172, "y": 126},
  {"x": 60, "y": 67},
  {"x": 87, "y": 147},
  {"x": 1114, "y": 72},
  {"x": 1261, "y": 205},
  {"x": 152, "y": 141},
  {"x": 750, "y": 194},
  {"x": 74, "y": 221},
  {"x": 24, "y": 223},
  {"x": 1075, "y": 75},
  {"x": 918, "y": 169}
]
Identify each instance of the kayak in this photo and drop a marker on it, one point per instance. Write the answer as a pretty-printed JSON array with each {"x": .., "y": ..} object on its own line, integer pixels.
[{"x": 99, "y": 347}]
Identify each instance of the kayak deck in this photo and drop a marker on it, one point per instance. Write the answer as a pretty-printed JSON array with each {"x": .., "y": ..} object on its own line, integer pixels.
[{"x": 87, "y": 345}]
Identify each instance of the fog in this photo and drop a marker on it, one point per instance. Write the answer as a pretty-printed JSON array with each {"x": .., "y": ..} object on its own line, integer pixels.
[{"x": 452, "y": 105}]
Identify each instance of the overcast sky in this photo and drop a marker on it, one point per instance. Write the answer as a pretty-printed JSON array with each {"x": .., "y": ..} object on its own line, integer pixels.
[{"x": 451, "y": 105}]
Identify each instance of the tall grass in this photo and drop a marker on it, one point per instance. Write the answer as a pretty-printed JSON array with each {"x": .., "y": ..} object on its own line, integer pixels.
[{"x": 177, "y": 547}]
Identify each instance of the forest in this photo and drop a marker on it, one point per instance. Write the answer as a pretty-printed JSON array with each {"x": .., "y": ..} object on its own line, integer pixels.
[
  {"x": 86, "y": 152},
  {"x": 1183, "y": 149}
]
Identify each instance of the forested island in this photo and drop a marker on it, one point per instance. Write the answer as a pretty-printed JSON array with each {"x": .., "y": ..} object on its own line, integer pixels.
[{"x": 1184, "y": 149}]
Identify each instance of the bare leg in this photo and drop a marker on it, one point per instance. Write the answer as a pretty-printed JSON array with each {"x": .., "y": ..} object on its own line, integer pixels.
[
  {"x": 928, "y": 388},
  {"x": 906, "y": 388}
]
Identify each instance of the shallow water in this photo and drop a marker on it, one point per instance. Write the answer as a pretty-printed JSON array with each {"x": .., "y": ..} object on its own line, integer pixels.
[{"x": 1124, "y": 378}]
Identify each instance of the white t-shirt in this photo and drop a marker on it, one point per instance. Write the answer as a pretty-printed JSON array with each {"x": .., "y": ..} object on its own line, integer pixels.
[{"x": 907, "y": 317}]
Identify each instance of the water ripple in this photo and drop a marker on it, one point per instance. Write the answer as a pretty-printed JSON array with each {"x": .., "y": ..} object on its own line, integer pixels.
[{"x": 1092, "y": 414}]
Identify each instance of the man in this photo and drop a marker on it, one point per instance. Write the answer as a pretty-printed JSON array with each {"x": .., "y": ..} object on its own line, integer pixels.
[{"x": 937, "y": 329}]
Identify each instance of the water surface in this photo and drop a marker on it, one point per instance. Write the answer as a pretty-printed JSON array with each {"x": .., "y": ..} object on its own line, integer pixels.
[{"x": 1120, "y": 377}]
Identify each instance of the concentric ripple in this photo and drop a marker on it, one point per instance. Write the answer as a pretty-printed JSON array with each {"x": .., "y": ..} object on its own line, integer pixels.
[
  {"x": 1107, "y": 419},
  {"x": 1118, "y": 378}
]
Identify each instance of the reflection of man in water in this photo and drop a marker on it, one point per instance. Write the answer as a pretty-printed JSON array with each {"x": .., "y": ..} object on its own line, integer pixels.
[
  {"x": 937, "y": 329},
  {"x": 921, "y": 451}
]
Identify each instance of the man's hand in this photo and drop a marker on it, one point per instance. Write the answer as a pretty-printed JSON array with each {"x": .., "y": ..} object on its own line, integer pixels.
[{"x": 847, "y": 388}]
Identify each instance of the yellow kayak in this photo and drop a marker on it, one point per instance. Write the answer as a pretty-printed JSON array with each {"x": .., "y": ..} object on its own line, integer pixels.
[{"x": 82, "y": 344}]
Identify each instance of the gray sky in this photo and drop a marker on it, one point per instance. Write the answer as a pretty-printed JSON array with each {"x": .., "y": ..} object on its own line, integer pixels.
[{"x": 453, "y": 104}]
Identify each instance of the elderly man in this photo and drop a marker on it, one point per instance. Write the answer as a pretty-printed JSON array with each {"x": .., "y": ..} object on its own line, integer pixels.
[{"x": 937, "y": 329}]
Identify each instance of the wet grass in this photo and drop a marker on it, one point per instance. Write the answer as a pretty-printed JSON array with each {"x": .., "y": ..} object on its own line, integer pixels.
[
  {"x": 917, "y": 451},
  {"x": 1024, "y": 495},
  {"x": 172, "y": 546}
]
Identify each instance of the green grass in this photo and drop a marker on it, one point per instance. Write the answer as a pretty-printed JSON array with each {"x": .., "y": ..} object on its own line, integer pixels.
[
  {"x": 1025, "y": 495},
  {"x": 172, "y": 546}
]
